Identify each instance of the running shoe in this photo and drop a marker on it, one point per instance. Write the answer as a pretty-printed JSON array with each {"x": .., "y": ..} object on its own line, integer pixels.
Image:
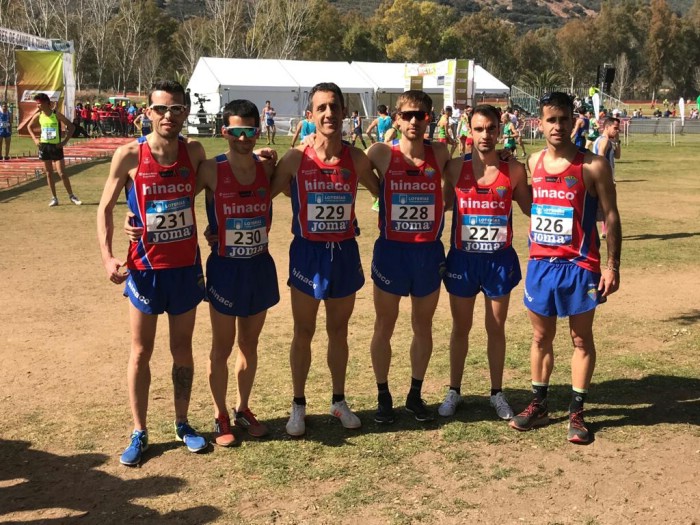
[
  {"x": 75, "y": 200},
  {"x": 450, "y": 404},
  {"x": 296, "y": 426},
  {"x": 246, "y": 419},
  {"x": 193, "y": 441},
  {"x": 385, "y": 414},
  {"x": 54, "y": 202},
  {"x": 535, "y": 415},
  {"x": 419, "y": 409},
  {"x": 578, "y": 433},
  {"x": 500, "y": 403},
  {"x": 133, "y": 453},
  {"x": 342, "y": 411},
  {"x": 223, "y": 435}
]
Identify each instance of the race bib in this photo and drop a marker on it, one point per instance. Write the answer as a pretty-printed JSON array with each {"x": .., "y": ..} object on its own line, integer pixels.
[
  {"x": 169, "y": 220},
  {"x": 48, "y": 133},
  {"x": 329, "y": 212},
  {"x": 412, "y": 212},
  {"x": 551, "y": 225},
  {"x": 484, "y": 233},
  {"x": 246, "y": 237}
]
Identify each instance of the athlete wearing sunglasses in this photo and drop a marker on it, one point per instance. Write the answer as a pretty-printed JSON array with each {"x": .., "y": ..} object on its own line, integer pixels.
[
  {"x": 250, "y": 132},
  {"x": 174, "y": 109},
  {"x": 408, "y": 256}
]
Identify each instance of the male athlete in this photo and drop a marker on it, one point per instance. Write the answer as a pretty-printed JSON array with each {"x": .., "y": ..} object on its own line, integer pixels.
[
  {"x": 382, "y": 123},
  {"x": 510, "y": 134},
  {"x": 5, "y": 130},
  {"x": 324, "y": 260},
  {"x": 481, "y": 190},
  {"x": 305, "y": 128},
  {"x": 409, "y": 258},
  {"x": 608, "y": 145},
  {"x": 51, "y": 142},
  {"x": 580, "y": 131},
  {"x": 564, "y": 276},
  {"x": 241, "y": 275},
  {"x": 268, "y": 116},
  {"x": 356, "y": 120},
  {"x": 164, "y": 268}
]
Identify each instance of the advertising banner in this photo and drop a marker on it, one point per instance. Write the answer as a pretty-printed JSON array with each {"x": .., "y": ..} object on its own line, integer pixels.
[{"x": 38, "y": 72}]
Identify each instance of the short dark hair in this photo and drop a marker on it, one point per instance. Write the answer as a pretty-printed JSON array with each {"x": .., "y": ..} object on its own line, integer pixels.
[
  {"x": 328, "y": 87},
  {"x": 42, "y": 97},
  {"x": 381, "y": 108},
  {"x": 448, "y": 108},
  {"x": 486, "y": 110},
  {"x": 169, "y": 86},
  {"x": 414, "y": 96},
  {"x": 241, "y": 108},
  {"x": 609, "y": 121},
  {"x": 557, "y": 99}
]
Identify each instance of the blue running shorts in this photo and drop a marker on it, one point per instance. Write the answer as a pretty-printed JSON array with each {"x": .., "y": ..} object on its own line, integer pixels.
[
  {"x": 242, "y": 287},
  {"x": 496, "y": 274},
  {"x": 5, "y": 133},
  {"x": 561, "y": 288},
  {"x": 325, "y": 270},
  {"x": 407, "y": 268},
  {"x": 175, "y": 290}
]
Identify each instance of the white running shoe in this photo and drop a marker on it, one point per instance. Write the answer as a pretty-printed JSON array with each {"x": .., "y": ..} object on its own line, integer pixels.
[
  {"x": 296, "y": 426},
  {"x": 450, "y": 404},
  {"x": 342, "y": 411},
  {"x": 503, "y": 409},
  {"x": 54, "y": 202},
  {"x": 75, "y": 200}
]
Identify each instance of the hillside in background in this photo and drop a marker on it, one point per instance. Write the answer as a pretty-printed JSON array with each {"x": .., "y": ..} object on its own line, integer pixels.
[{"x": 524, "y": 14}]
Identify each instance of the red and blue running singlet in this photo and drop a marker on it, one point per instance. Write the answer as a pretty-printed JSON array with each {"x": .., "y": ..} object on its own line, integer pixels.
[
  {"x": 482, "y": 221},
  {"x": 410, "y": 199},
  {"x": 162, "y": 199},
  {"x": 562, "y": 222},
  {"x": 240, "y": 214},
  {"x": 323, "y": 198}
]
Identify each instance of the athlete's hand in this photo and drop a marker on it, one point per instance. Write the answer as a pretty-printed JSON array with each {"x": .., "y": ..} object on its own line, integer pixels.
[
  {"x": 134, "y": 233},
  {"x": 116, "y": 271},
  {"x": 505, "y": 154},
  {"x": 211, "y": 238},
  {"x": 609, "y": 282},
  {"x": 309, "y": 140},
  {"x": 267, "y": 154},
  {"x": 37, "y": 141}
]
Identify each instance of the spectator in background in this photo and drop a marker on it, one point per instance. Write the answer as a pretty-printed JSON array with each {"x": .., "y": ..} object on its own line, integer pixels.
[{"x": 5, "y": 130}]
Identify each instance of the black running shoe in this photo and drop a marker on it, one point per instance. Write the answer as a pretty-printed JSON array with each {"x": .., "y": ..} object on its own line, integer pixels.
[
  {"x": 385, "y": 414},
  {"x": 535, "y": 415},
  {"x": 578, "y": 433},
  {"x": 419, "y": 409}
]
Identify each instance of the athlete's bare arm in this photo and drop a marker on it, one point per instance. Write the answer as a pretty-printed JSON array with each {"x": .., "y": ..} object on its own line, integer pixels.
[
  {"x": 597, "y": 177},
  {"x": 577, "y": 126},
  {"x": 522, "y": 193},
  {"x": 286, "y": 169},
  {"x": 297, "y": 132},
  {"x": 32, "y": 124},
  {"x": 365, "y": 174},
  {"x": 451, "y": 176},
  {"x": 123, "y": 166},
  {"x": 371, "y": 127},
  {"x": 379, "y": 155},
  {"x": 70, "y": 128}
]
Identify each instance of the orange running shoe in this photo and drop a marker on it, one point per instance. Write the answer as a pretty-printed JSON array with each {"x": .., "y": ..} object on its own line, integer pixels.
[
  {"x": 223, "y": 435},
  {"x": 246, "y": 420}
]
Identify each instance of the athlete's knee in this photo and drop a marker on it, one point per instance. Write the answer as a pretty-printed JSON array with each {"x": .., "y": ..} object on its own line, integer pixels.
[
  {"x": 220, "y": 353},
  {"x": 541, "y": 338},
  {"x": 422, "y": 328},
  {"x": 248, "y": 344},
  {"x": 304, "y": 331},
  {"x": 583, "y": 342}
]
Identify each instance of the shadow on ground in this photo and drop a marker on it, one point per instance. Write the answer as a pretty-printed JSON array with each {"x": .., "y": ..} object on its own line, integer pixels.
[
  {"x": 47, "y": 488},
  {"x": 660, "y": 236},
  {"x": 652, "y": 400}
]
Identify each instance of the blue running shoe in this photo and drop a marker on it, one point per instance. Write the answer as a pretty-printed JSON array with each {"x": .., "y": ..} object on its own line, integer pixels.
[
  {"x": 193, "y": 441},
  {"x": 132, "y": 454}
]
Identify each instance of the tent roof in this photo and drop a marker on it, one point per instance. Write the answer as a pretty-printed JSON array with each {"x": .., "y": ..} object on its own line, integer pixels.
[
  {"x": 267, "y": 73},
  {"x": 309, "y": 73},
  {"x": 487, "y": 83},
  {"x": 388, "y": 76}
]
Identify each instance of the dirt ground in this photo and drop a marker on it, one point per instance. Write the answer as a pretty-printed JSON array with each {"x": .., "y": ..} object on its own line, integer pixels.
[{"x": 64, "y": 346}]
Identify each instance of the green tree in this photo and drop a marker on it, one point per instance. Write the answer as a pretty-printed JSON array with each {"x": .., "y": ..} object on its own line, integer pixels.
[
  {"x": 579, "y": 58},
  {"x": 536, "y": 52},
  {"x": 486, "y": 39},
  {"x": 658, "y": 42},
  {"x": 414, "y": 30},
  {"x": 323, "y": 36}
]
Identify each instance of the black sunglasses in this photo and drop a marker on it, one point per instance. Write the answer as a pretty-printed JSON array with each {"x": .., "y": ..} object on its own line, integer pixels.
[
  {"x": 175, "y": 109},
  {"x": 410, "y": 115}
]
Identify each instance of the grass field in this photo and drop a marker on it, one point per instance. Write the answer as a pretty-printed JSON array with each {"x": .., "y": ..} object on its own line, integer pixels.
[{"x": 64, "y": 403}]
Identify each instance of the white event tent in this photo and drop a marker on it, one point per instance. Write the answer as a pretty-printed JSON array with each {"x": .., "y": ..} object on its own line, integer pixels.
[{"x": 286, "y": 84}]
